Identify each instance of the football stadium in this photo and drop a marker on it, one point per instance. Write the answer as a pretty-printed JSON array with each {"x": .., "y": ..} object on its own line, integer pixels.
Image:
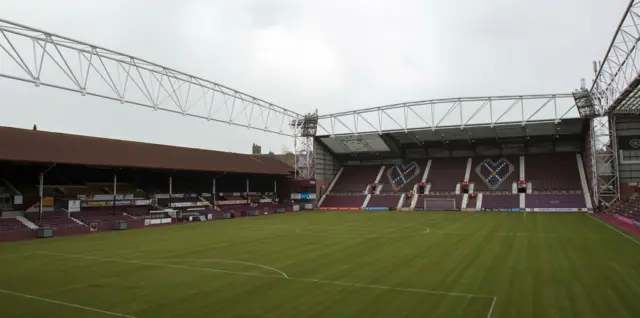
[{"x": 475, "y": 207}]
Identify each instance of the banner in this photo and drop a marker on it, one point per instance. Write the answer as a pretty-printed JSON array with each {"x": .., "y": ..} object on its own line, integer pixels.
[
  {"x": 303, "y": 196},
  {"x": 74, "y": 206},
  {"x": 339, "y": 208},
  {"x": 296, "y": 208},
  {"x": 89, "y": 204},
  {"x": 629, "y": 142},
  {"x": 230, "y": 202},
  {"x": 266, "y": 200},
  {"x": 187, "y": 204},
  {"x": 376, "y": 208},
  {"x": 559, "y": 209},
  {"x": 143, "y": 202}
]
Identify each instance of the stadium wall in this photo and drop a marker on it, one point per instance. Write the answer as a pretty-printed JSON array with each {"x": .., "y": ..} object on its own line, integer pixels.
[
  {"x": 327, "y": 166},
  {"x": 628, "y": 133}
]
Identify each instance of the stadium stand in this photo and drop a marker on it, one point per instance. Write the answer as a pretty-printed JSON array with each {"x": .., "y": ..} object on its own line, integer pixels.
[
  {"x": 156, "y": 184},
  {"x": 353, "y": 201},
  {"x": 483, "y": 169},
  {"x": 555, "y": 201},
  {"x": 500, "y": 201},
  {"x": 446, "y": 173},
  {"x": 355, "y": 179},
  {"x": 389, "y": 200},
  {"x": 553, "y": 172},
  {"x": 12, "y": 224},
  {"x": 402, "y": 178}
]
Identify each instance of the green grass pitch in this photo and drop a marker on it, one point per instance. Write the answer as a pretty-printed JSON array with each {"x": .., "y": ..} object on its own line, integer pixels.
[{"x": 332, "y": 264}]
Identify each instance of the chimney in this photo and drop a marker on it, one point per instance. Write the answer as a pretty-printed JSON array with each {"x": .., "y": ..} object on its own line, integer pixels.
[{"x": 256, "y": 149}]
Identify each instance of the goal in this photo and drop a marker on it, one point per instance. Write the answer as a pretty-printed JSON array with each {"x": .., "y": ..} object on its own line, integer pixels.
[{"x": 440, "y": 204}]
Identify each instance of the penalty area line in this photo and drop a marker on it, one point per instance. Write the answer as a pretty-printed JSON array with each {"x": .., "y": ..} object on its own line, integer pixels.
[
  {"x": 8, "y": 292},
  {"x": 310, "y": 280}
]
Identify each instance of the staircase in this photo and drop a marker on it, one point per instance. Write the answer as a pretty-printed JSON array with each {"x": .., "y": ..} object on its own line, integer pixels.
[
  {"x": 467, "y": 172},
  {"x": 378, "y": 188},
  {"x": 479, "y": 202},
  {"x": 465, "y": 200},
  {"x": 458, "y": 188},
  {"x": 522, "y": 201},
  {"x": 27, "y": 223},
  {"x": 583, "y": 181},
  {"x": 401, "y": 201},
  {"x": 414, "y": 201},
  {"x": 426, "y": 172},
  {"x": 333, "y": 182},
  {"x": 366, "y": 201}
]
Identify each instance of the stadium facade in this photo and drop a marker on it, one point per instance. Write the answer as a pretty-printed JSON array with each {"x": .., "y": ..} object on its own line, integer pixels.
[{"x": 555, "y": 152}]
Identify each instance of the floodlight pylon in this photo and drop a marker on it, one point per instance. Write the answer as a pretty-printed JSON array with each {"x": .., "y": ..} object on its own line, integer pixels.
[{"x": 305, "y": 129}]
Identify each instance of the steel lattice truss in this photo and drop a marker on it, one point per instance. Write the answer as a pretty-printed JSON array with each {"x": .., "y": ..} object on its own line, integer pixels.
[
  {"x": 450, "y": 112},
  {"x": 43, "y": 58},
  {"x": 614, "y": 88},
  {"x": 604, "y": 160}
]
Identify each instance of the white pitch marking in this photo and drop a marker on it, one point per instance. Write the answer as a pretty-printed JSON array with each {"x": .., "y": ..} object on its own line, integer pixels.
[
  {"x": 615, "y": 229},
  {"x": 491, "y": 309},
  {"x": 426, "y": 230},
  {"x": 157, "y": 264},
  {"x": 425, "y": 291},
  {"x": 226, "y": 261},
  {"x": 64, "y": 304}
]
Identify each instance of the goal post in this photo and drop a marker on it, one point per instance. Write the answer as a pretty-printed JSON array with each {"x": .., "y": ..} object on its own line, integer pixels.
[{"x": 440, "y": 204}]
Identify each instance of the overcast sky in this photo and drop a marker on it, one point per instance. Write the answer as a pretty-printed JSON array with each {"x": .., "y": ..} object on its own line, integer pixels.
[{"x": 333, "y": 55}]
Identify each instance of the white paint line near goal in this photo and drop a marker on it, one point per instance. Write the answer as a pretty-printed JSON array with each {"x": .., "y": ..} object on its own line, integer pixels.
[
  {"x": 216, "y": 260},
  {"x": 614, "y": 228},
  {"x": 385, "y": 231},
  {"x": 311, "y": 280},
  {"x": 8, "y": 292},
  {"x": 115, "y": 260}
]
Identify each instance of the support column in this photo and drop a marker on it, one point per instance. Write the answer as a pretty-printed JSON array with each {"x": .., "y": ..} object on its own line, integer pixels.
[
  {"x": 214, "y": 191},
  {"x": 170, "y": 186},
  {"x": 248, "y": 200},
  {"x": 41, "y": 197},
  {"x": 115, "y": 189}
]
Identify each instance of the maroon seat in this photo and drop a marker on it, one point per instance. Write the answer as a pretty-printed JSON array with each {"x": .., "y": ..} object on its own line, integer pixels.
[
  {"x": 501, "y": 201},
  {"x": 54, "y": 220},
  {"x": 559, "y": 201},
  {"x": 553, "y": 172},
  {"x": 355, "y": 179},
  {"x": 12, "y": 224},
  {"x": 349, "y": 201},
  {"x": 404, "y": 177},
  {"x": 384, "y": 200},
  {"x": 507, "y": 171},
  {"x": 101, "y": 214},
  {"x": 444, "y": 174}
]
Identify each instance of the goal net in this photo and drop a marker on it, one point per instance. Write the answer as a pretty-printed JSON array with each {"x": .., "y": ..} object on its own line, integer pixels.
[{"x": 440, "y": 204}]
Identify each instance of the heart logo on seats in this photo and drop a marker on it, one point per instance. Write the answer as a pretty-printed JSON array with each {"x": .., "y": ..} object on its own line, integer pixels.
[
  {"x": 493, "y": 173},
  {"x": 400, "y": 175}
]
